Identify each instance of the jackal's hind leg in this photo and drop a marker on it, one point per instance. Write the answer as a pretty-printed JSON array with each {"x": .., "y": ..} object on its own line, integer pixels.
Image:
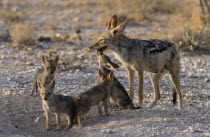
[
  {"x": 176, "y": 82},
  {"x": 155, "y": 77}
]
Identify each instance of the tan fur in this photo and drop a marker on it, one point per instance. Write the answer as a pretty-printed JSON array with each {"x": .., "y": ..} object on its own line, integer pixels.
[
  {"x": 56, "y": 104},
  {"x": 46, "y": 73},
  {"x": 153, "y": 56},
  {"x": 94, "y": 96}
]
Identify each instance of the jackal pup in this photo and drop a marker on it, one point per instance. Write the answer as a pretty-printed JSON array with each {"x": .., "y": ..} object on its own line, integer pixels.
[
  {"x": 57, "y": 104},
  {"x": 118, "y": 93},
  {"x": 94, "y": 96},
  {"x": 46, "y": 73}
]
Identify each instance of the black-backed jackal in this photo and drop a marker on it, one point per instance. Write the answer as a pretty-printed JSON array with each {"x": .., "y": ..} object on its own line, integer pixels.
[{"x": 153, "y": 56}]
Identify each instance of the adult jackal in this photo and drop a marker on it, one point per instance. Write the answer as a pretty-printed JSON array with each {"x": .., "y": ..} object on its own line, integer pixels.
[{"x": 154, "y": 56}]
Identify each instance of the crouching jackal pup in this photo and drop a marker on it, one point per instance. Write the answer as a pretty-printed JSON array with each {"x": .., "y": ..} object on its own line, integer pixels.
[
  {"x": 45, "y": 74},
  {"x": 118, "y": 93},
  {"x": 154, "y": 56},
  {"x": 94, "y": 96},
  {"x": 56, "y": 104}
]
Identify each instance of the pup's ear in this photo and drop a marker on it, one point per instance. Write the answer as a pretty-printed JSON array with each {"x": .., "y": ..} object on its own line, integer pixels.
[
  {"x": 39, "y": 84},
  {"x": 101, "y": 75},
  {"x": 110, "y": 75},
  {"x": 114, "y": 65},
  {"x": 56, "y": 58},
  {"x": 119, "y": 29},
  {"x": 110, "y": 62},
  {"x": 44, "y": 60},
  {"x": 52, "y": 83},
  {"x": 113, "y": 22}
]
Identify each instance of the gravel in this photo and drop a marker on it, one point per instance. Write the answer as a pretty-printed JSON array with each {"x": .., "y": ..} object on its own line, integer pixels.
[{"x": 77, "y": 72}]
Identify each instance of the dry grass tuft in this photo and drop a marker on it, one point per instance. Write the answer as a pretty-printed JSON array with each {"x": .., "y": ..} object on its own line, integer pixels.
[
  {"x": 186, "y": 29},
  {"x": 22, "y": 34},
  {"x": 11, "y": 17}
]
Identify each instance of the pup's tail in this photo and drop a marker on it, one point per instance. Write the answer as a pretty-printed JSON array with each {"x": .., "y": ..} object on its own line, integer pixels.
[{"x": 174, "y": 96}]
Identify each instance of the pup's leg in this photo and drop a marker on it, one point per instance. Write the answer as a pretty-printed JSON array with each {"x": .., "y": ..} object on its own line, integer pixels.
[
  {"x": 105, "y": 106},
  {"x": 70, "y": 122},
  {"x": 47, "y": 120},
  {"x": 34, "y": 87},
  {"x": 79, "y": 120},
  {"x": 99, "y": 110},
  {"x": 58, "y": 121}
]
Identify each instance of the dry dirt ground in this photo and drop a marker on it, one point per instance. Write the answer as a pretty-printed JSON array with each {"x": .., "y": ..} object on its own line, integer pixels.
[{"x": 22, "y": 115}]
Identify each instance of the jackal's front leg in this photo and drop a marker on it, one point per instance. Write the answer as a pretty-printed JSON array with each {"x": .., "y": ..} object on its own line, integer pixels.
[
  {"x": 58, "y": 121},
  {"x": 47, "y": 120},
  {"x": 34, "y": 87},
  {"x": 140, "y": 90},
  {"x": 131, "y": 82}
]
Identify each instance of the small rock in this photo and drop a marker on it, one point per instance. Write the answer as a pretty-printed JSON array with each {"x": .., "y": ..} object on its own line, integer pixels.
[
  {"x": 28, "y": 63},
  {"x": 36, "y": 120},
  {"x": 207, "y": 79},
  {"x": 109, "y": 131}
]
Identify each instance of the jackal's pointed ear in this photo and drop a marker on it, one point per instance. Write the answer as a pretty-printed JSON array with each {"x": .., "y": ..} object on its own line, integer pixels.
[
  {"x": 52, "y": 83},
  {"x": 119, "y": 29},
  {"x": 56, "y": 58},
  {"x": 110, "y": 76},
  {"x": 101, "y": 75},
  {"x": 113, "y": 22},
  {"x": 114, "y": 65},
  {"x": 43, "y": 59},
  {"x": 39, "y": 84}
]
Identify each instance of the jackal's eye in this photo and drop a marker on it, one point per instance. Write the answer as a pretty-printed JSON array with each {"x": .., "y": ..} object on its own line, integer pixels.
[
  {"x": 48, "y": 67},
  {"x": 102, "y": 41}
]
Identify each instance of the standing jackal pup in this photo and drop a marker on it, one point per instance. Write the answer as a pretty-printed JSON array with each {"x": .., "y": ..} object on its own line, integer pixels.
[
  {"x": 153, "y": 56},
  {"x": 45, "y": 74},
  {"x": 94, "y": 96},
  {"x": 57, "y": 104},
  {"x": 118, "y": 93}
]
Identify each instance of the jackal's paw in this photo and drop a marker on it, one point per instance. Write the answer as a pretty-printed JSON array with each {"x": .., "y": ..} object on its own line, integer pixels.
[
  {"x": 67, "y": 128},
  {"x": 138, "y": 107},
  {"x": 107, "y": 115},
  {"x": 180, "y": 108},
  {"x": 47, "y": 128},
  {"x": 80, "y": 125},
  {"x": 57, "y": 129}
]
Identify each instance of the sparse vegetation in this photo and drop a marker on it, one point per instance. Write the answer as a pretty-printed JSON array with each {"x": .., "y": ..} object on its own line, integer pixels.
[
  {"x": 22, "y": 34},
  {"x": 4, "y": 31}
]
